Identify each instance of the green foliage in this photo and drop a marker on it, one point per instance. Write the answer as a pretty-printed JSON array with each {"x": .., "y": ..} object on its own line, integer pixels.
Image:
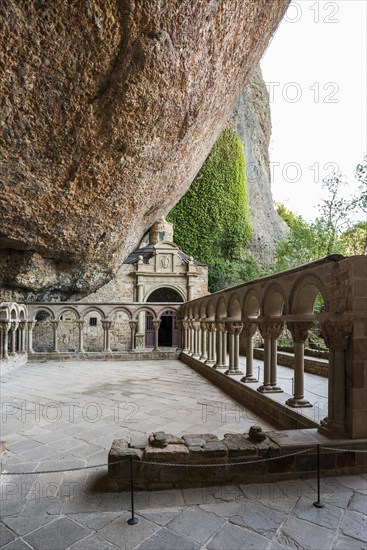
[{"x": 212, "y": 221}]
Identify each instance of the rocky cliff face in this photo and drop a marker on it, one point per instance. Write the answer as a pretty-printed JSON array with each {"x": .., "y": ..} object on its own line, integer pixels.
[
  {"x": 252, "y": 120},
  {"x": 108, "y": 110}
]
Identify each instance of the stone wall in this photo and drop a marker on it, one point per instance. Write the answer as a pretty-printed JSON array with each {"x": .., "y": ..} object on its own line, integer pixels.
[{"x": 197, "y": 454}]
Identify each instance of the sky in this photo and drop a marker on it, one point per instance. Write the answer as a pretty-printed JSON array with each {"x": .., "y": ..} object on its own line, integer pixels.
[{"x": 315, "y": 71}]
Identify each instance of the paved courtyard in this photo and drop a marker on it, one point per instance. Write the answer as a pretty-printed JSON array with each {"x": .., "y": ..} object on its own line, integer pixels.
[{"x": 59, "y": 416}]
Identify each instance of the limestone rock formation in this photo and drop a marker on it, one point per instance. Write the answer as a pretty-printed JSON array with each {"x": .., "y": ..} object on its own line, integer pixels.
[
  {"x": 108, "y": 110},
  {"x": 251, "y": 118}
]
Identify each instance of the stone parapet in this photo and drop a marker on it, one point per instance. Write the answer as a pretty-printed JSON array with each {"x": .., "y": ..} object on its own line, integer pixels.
[{"x": 198, "y": 460}]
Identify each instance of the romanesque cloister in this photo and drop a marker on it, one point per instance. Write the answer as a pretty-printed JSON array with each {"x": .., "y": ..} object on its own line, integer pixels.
[{"x": 214, "y": 328}]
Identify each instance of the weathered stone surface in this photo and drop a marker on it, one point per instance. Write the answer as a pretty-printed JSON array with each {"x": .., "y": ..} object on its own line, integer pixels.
[
  {"x": 196, "y": 452},
  {"x": 297, "y": 533},
  {"x": 251, "y": 119},
  {"x": 194, "y": 441},
  {"x": 158, "y": 439},
  {"x": 239, "y": 445},
  {"x": 109, "y": 110},
  {"x": 174, "y": 440},
  {"x": 214, "y": 449},
  {"x": 354, "y": 525},
  {"x": 171, "y": 453},
  {"x": 256, "y": 434}
]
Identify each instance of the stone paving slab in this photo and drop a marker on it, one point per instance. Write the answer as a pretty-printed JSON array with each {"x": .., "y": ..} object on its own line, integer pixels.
[{"x": 74, "y": 511}]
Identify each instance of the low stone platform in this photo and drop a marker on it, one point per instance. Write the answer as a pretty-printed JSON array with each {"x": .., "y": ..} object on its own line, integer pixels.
[
  {"x": 144, "y": 355},
  {"x": 164, "y": 461}
]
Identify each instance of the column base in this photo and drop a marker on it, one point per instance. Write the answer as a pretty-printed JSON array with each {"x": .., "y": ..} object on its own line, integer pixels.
[
  {"x": 249, "y": 378},
  {"x": 267, "y": 388},
  {"x": 233, "y": 372},
  {"x": 203, "y": 358},
  {"x": 195, "y": 356},
  {"x": 277, "y": 389},
  {"x": 220, "y": 367},
  {"x": 55, "y": 351},
  {"x": 210, "y": 363},
  {"x": 298, "y": 403},
  {"x": 12, "y": 353},
  {"x": 186, "y": 351}
]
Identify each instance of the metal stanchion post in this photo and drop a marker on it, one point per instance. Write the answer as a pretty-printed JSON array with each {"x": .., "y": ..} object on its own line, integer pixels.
[
  {"x": 133, "y": 520},
  {"x": 293, "y": 386},
  {"x": 258, "y": 374},
  {"x": 318, "y": 503}
]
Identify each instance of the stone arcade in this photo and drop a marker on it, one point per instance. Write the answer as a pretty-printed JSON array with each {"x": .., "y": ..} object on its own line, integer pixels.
[{"x": 210, "y": 325}]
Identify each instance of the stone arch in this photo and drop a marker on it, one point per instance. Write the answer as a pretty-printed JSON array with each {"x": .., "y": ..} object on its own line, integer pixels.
[
  {"x": 234, "y": 307},
  {"x": 303, "y": 294},
  {"x": 22, "y": 312},
  {"x": 174, "y": 294},
  {"x": 93, "y": 328},
  {"x": 45, "y": 309},
  {"x": 120, "y": 338},
  {"x": 202, "y": 310},
  {"x": 196, "y": 310},
  {"x": 221, "y": 311},
  {"x": 92, "y": 309},
  {"x": 68, "y": 330},
  {"x": 210, "y": 309},
  {"x": 251, "y": 304},
  {"x": 66, "y": 309},
  {"x": 274, "y": 300},
  {"x": 145, "y": 309},
  {"x": 43, "y": 332},
  {"x": 117, "y": 309}
]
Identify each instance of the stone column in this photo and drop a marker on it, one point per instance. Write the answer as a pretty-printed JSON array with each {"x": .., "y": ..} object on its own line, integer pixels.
[
  {"x": 81, "y": 343},
  {"x": 211, "y": 344},
  {"x": 270, "y": 330},
  {"x": 55, "y": 324},
  {"x": 106, "y": 336},
  {"x": 191, "y": 337},
  {"x": 5, "y": 339},
  {"x": 299, "y": 331},
  {"x": 249, "y": 330},
  {"x": 234, "y": 330},
  {"x": 21, "y": 347},
  {"x": 156, "y": 325},
  {"x": 204, "y": 329},
  {"x": 196, "y": 327},
  {"x": 30, "y": 326},
  {"x": 133, "y": 325},
  {"x": 185, "y": 325},
  {"x": 179, "y": 324},
  {"x": 13, "y": 328},
  {"x": 336, "y": 336},
  {"x": 140, "y": 330},
  {"x": 221, "y": 335}
]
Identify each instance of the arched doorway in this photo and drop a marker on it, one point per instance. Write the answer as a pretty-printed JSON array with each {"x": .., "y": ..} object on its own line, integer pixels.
[
  {"x": 165, "y": 294},
  {"x": 168, "y": 330}
]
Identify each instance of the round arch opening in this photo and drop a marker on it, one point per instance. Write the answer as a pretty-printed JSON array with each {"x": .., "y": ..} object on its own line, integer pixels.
[{"x": 165, "y": 294}]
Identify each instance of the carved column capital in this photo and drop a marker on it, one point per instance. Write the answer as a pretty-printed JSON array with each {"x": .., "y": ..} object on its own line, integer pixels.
[
  {"x": 234, "y": 327},
  {"x": 106, "y": 324},
  {"x": 212, "y": 327},
  {"x": 271, "y": 328},
  {"x": 31, "y": 324},
  {"x": 299, "y": 330},
  {"x": 133, "y": 324},
  {"x": 81, "y": 324},
  {"x": 185, "y": 324},
  {"x": 5, "y": 325},
  {"x": 156, "y": 324},
  {"x": 249, "y": 329},
  {"x": 336, "y": 334},
  {"x": 221, "y": 326},
  {"x": 203, "y": 326}
]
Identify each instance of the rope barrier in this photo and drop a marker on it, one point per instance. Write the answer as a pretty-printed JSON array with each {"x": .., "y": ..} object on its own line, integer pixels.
[{"x": 183, "y": 465}]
